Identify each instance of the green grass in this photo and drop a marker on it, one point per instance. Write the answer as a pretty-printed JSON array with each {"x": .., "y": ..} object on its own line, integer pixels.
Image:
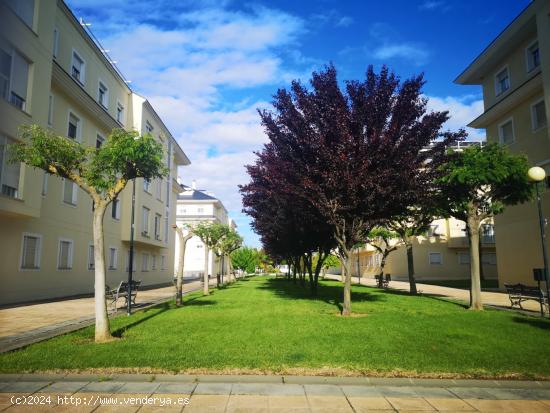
[
  {"x": 268, "y": 324},
  {"x": 462, "y": 284}
]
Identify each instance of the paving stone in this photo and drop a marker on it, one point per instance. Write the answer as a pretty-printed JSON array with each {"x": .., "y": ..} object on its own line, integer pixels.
[
  {"x": 83, "y": 377},
  {"x": 64, "y": 386},
  {"x": 41, "y": 377},
  {"x": 385, "y": 381},
  {"x": 329, "y": 403},
  {"x": 147, "y": 388},
  {"x": 210, "y": 402},
  {"x": 512, "y": 394},
  {"x": 287, "y": 402},
  {"x": 410, "y": 403},
  {"x": 176, "y": 378},
  {"x": 476, "y": 383},
  {"x": 471, "y": 393},
  {"x": 398, "y": 391},
  {"x": 432, "y": 382},
  {"x": 9, "y": 378},
  {"x": 213, "y": 388},
  {"x": 323, "y": 390},
  {"x": 267, "y": 389},
  {"x": 4, "y": 384},
  {"x": 490, "y": 406},
  {"x": 529, "y": 406},
  {"x": 181, "y": 388},
  {"x": 25, "y": 386},
  {"x": 453, "y": 405},
  {"x": 133, "y": 377},
  {"x": 361, "y": 404},
  {"x": 248, "y": 402},
  {"x": 436, "y": 392},
  {"x": 103, "y": 387},
  {"x": 365, "y": 391}
]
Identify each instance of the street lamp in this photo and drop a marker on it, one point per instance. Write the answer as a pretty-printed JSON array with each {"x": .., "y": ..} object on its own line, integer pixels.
[{"x": 537, "y": 174}]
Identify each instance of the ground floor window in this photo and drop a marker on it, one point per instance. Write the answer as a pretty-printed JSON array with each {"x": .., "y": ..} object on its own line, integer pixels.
[
  {"x": 489, "y": 258},
  {"x": 464, "y": 258},
  {"x": 113, "y": 258},
  {"x": 65, "y": 255},
  {"x": 144, "y": 262},
  {"x": 435, "y": 258},
  {"x": 30, "y": 251},
  {"x": 91, "y": 259}
]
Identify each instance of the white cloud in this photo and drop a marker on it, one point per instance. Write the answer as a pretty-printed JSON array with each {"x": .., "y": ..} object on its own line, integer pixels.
[
  {"x": 433, "y": 5},
  {"x": 416, "y": 54},
  {"x": 462, "y": 111}
]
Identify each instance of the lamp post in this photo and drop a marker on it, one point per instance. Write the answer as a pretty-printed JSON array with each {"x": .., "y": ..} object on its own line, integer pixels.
[
  {"x": 131, "y": 263},
  {"x": 537, "y": 174}
]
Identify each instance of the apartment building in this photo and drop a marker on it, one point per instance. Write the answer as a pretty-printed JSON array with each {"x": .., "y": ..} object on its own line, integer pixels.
[
  {"x": 54, "y": 74},
  {"x": 441, "y": 254},
  {"x": 194, "y": 206},
  {"x": 514, "y": 72}
]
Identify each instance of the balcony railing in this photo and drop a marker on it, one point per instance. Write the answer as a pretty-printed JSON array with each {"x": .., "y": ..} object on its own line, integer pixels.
[{"x": 9, "y": 191}]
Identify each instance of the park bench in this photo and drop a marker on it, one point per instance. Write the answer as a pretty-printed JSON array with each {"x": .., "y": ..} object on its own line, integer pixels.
[
  {"x": 520, "y": 292},
  {"x": 112, "y": 295},
  {"x": 385, "y": 280}
]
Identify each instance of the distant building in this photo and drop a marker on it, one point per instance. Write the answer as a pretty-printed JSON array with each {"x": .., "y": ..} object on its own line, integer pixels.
[
  {"x": 441, "y": 254},
  {"x": 194, "y": 206},
  {"x": 514, "y": 71}
]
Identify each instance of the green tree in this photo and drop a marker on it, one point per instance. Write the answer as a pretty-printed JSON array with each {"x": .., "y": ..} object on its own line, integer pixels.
[
  {"x": 181, "y": 260},
  {"x": 477, "y": 184},
  {"x": 380, "y": 239},
  {"x": 230, "y": 242},
  {"x": 210, "y": 234},
  {"x": 245, "y": 259},
  {"x": 102, "y": 173},
  {"x": 329, "y": 261}
]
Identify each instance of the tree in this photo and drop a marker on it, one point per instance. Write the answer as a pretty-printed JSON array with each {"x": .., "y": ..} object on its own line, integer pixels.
[
  {"x": 330, "y": 261},
  {"x": 210, "y": 234},
  {"x": 181, "y": 261},
  {"x": 381, "y": 240},
  {"x": 245, "y": 259},
  {"x": 230, "y": 242},
  {"x": 358, "y": 157},
  {"x": 477, "y": 184},
  {"x": 102, "y": 173}
]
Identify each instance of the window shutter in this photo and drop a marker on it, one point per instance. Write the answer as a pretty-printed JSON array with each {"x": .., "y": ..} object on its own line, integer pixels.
[
  {"x": 30, "y": 252},
  {"x": 20, "y": 76},
  {"x": 75, "y": 193}
]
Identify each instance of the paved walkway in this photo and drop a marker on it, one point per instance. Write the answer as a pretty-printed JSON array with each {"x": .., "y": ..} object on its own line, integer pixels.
[
  {"x": 495, "y": 299},
  {"x": 27, "y": 324},
  {"x": 231, "y": 394}
]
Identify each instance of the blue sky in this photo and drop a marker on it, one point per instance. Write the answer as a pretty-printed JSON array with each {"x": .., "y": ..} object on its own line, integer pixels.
[{"x": 207, "y": 65}]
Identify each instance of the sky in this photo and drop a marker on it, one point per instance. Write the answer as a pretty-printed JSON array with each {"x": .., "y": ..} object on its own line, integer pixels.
[{"x": 206, "y": 66}]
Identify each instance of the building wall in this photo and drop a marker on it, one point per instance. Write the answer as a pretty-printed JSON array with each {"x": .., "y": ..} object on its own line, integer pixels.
[{"x": 40, "y": 209}]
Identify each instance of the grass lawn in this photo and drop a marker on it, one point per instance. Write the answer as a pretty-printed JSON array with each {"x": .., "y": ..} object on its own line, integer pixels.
[
  {"x": 265, "y": 324},
  {"x": 462, "y": 284}
]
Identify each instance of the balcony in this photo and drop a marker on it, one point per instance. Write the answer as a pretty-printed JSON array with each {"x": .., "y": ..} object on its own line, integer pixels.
[{"x": 462, "y": 242}]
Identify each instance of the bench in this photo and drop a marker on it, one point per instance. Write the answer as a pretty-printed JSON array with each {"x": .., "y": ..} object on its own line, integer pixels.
[
  {"x": 112, "y": 295},
  {"x": 385, "y": 280},
  {"x": 520, "y": 292}
]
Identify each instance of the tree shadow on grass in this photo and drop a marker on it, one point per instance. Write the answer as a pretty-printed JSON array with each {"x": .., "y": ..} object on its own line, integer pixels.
[
  {"x": 154, "y": 311},
  {"x": 543, "y": 324},
  {"x": 329, "y": 293}
]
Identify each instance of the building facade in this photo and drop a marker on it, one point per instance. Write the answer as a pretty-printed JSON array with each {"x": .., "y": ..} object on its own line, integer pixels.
[
  {"x": 195, "y": 206},
  {"x": 514, "y": 72},
  {"x": 55, "y": 75},
  {"x": 441, "y": 254}
]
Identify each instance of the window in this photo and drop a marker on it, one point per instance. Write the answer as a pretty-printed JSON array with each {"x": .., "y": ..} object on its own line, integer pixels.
[
  {"x": 159, "y": 189},
  {"x": 70, "y": 191},
  {"x": 153, "y": 262},
  {"x": 506, "y": 132},
  {"x": 55, "y": 48},
  {"x": 103, "y": 95},
  {"x": 45, "y": 184},
  {"x": 78, "y": 68},
  {"x": 65, "y": 255},
  {"x": 73, "y": 130},
  {"x": 24, "y": 9},
  {"x": 489, "y": 258},
  {"x": 144, "y": 261},
  {"x": 158, "y": 219},
  {"x": 119, "y": 113},
  {"x": 134, "y": 266},
  {"x": 533, "y": 56},
  {"x": 50, "y": 110},
  {"x": 9, "y": 172},
  {"x": 30, "y": 251},
  {"x": 502, "y": 81},
  {"x": 91, "y": 258},
  {"x": 99, "y": 141},
  {"x": 166, "y": 228},
  {"x": 163, "y": 262},
  {"x": 147, "y": 185},
  {"x": 200, "y": 210},
  {"x": 115, "y": 209},
  {"x": 538, "y": 115},
  {"x": 145, "y": 221},
  {"x": 433, "y": 231},
  {"x": 434, "y": 258},
  {"x": 14, "y": 76},
  {"x": 488, "y": 234},
  {"x": 464, "y": 258},
  {"x": 113, "y": 258},
  {"x": 148, "y": 127}
]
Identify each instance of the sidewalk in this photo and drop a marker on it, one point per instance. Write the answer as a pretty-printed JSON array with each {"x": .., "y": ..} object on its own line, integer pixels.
[
  {"x": 23, "y": 325},
  {"x": 297, "y": 394},
  {"x": 495, "y": 299}
]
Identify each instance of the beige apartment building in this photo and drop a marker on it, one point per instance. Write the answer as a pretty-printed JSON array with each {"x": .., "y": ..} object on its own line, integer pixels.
[
  {"x": 441, "y": 254},
  {"x": 514, "y": 71},
  {"x": 53, "y": 73}
]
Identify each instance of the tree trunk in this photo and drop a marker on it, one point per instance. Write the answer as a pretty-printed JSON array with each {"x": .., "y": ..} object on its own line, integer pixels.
[
  {"x": 346, "y": 263},
  {"x": 205, "y": 290},
  {"x": 181, "y": 263},
  {"x": 102, "y": 331},
  {"x": 410, "y": 267},
  {"x": 475, "y": 288}
]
